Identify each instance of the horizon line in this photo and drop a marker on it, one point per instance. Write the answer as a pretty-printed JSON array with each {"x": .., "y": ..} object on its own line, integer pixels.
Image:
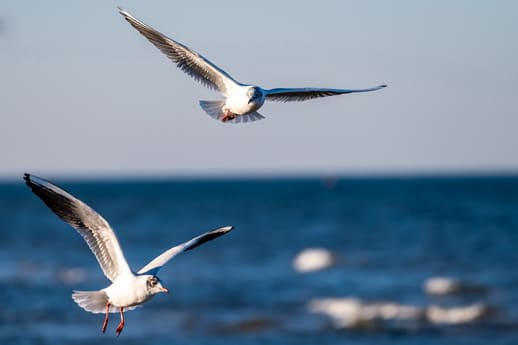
[{"x": 279, "y": 175}]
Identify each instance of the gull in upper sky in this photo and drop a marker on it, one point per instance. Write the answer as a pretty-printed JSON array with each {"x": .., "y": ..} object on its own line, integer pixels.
[
  {"x": 128, "y": 289},
  {"x": 241, "y": 100}
]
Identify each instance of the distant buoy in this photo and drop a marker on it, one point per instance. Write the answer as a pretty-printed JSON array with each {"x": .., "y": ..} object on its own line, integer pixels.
[
  {"x": 442, "y": 286},
  {"x": 314, "y": 259}
]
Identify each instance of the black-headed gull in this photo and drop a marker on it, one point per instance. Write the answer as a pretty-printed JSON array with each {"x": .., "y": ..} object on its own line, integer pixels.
[
  {"x": 241, "y": 100},
  {"x": 128, "y": 289}
]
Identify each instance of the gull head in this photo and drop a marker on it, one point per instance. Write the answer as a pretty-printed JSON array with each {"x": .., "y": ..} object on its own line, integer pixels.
[
  {"x": 154, "y": 285},
  {"x": 254, "y": 94}
]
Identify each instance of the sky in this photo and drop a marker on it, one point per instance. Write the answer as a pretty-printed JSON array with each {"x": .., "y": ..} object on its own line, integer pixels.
[{"x": 84, "y": 94}]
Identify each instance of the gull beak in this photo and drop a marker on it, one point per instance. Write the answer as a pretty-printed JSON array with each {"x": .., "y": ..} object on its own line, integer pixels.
[{"x": 163, "y": 289}]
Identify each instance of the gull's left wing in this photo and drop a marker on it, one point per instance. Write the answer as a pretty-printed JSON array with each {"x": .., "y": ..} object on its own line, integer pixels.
[
  {"x": 154, "y": 266},
  {"x": 303, "y": 94},
  {"x": 189, "y": 61},
  {"x": 91, "y": 226}
]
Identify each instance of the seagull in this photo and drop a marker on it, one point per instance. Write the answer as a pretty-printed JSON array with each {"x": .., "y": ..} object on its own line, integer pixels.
[
  {"x": 241, "y": 100},
  {"x": 128, "y": 289}
]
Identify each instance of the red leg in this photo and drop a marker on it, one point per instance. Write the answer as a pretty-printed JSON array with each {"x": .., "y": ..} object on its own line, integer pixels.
[
  {"x": 121, "y": 324},
  {"x": 105, "y": 323}
]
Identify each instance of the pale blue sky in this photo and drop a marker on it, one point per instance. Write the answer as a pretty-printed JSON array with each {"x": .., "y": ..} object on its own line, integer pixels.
[{"x": 82, "y": 93}]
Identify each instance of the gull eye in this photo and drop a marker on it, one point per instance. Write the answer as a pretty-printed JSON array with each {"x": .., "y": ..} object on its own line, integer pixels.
[{"x": 151, "y": 282}]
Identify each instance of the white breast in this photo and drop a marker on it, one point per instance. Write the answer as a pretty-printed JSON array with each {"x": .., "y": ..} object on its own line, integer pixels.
[
  {"x": 237, "y": 101},
  {"x": 127, "y": 291}
]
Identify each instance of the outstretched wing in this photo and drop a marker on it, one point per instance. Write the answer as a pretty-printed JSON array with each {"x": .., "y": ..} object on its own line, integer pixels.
[
  {"x": 303, "y": 94},
  {"x": 185, "y": 58},
  {"x": 154, "y": 266},
  {"x": 95, "y": 229}
]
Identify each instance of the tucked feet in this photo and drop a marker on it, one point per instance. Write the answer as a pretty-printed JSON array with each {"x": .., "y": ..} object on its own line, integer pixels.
[{"x": 228, "y": 116}]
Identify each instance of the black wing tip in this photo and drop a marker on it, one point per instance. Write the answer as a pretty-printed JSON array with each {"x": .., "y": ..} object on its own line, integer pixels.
[
  {"x": 32, "y": 180},
  {"x": 125, "y": 14},
  {"x": 29, "y": 181},
  {"x": 209, "y": 236},
  {"x": 384, "y": 85}
]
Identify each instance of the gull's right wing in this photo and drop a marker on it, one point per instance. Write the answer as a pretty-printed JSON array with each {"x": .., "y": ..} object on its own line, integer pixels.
[
  {"x": 154, "y": 266},
  {"x": 303, "y": 94}
]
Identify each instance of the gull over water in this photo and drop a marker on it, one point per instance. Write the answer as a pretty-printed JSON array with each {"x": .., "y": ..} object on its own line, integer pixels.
[
  {"x": 241, "y": 100},
  {"x": 128, "y": 289}
]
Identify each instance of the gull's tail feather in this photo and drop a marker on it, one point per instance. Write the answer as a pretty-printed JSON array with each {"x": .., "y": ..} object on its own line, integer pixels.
[
  {"x": 95, "y": 302},
  {"x": 213, "y": 108},
  {"x": 92, "y": 301},
  {"x": 255, "y": 116}
]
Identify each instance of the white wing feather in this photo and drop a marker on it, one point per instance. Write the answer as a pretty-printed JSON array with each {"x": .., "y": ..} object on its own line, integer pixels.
[
  {"x": 154, "y": 266},
  {"x": 91, "y": 226},
  {"x": 189, "y": 61},
  {"x": 303, "y": 94}
]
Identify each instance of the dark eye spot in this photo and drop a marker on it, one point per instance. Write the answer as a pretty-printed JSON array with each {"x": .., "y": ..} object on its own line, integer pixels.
[{"x": 151, "y": 282}]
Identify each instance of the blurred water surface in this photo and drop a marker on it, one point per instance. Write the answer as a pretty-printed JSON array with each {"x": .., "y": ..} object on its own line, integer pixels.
[{"x": 391, "y": 234}]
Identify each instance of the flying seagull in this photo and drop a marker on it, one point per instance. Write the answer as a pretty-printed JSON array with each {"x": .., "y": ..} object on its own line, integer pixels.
[
  {"x": 128, "y": 289},
  {"x": 241, "y": 100}
]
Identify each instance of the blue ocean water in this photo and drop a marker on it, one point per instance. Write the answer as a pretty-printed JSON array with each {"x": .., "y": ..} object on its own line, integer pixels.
[{"x": 391, "y": 235}]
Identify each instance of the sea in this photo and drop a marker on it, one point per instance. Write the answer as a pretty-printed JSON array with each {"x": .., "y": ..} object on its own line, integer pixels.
[{"x": 389, "y": 238}]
